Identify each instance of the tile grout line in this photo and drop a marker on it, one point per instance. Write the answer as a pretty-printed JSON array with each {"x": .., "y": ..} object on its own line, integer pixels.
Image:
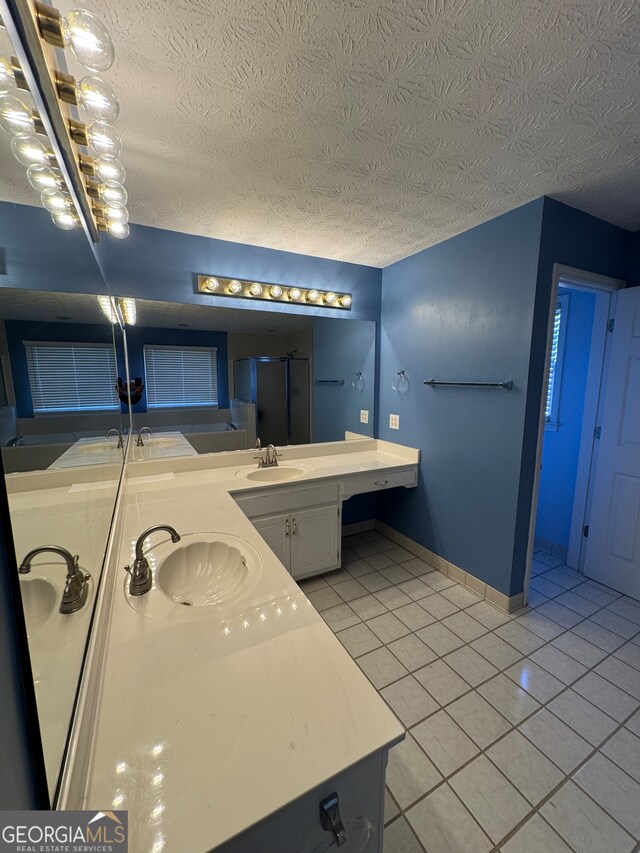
[{"x": 502, "y": 671}]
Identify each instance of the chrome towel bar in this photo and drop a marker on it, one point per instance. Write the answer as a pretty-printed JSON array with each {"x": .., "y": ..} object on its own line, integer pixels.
[{"x": 508, "y": 385}]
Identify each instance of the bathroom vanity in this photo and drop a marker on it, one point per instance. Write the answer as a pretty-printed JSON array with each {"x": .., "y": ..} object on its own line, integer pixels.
[{"x": 225, "y": 724}]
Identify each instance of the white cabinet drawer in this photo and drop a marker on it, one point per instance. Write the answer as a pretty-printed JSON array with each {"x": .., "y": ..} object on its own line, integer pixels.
[
  {"x": 286, "y": 499},
  {"x": 358, "y": 484}
]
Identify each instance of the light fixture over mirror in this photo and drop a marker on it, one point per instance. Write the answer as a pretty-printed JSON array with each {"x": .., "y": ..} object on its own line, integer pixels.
[
  {"x": 258, "y": 290},
  {"x": 89, "y": 184}
]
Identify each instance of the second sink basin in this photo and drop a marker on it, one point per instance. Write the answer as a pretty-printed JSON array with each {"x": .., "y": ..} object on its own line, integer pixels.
[
  {"x": 276, "y": 474},
  {"x": 202, "y": 573},
  {"x": 38, "y": 601}
]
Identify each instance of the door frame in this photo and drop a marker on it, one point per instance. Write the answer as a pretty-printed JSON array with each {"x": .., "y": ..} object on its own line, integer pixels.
[{"x": 600, "y": 284}]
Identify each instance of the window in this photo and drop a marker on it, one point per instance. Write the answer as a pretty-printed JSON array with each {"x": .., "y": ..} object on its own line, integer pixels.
[
  {"x": 555, "y": 366},
  {"x": 71, "y": 377},
  {"x": 181, "y": 376}
]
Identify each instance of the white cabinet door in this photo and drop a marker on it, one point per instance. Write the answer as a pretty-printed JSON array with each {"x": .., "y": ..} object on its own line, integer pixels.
[
  {"x": 613, "y": 546},
  {"x": 275, "y": 530},
  {"x": 315, "y": 540}
]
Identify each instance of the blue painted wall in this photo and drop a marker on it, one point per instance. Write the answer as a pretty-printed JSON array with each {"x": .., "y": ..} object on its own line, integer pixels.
[
  {"x": 35, "y": 254},
  {"x": 561, "y": 447},
  {"x": 138, "y": 336},
  {"x": 338, "y": 352},
  {"x": 633, "y": 260},
  {"x": 156, "y": 264},
  {"x": 576, "y": 239},
  {"x": 462, "y": 309},
  {"x": 19, "y": 331}
]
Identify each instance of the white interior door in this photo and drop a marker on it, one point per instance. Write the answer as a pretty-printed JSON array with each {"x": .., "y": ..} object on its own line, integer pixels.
[{"x": 613, "y": 544}]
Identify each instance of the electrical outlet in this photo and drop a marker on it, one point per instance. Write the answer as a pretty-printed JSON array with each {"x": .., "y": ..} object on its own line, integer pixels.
[
  {"x": 394, "y": 421},
  {"x": 364, "y": 416}
]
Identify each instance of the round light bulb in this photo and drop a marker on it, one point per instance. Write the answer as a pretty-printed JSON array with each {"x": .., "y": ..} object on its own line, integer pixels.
[
  {"x": 97, "y": 99},
  {"x": 89, "y": 39},
  {"x": 66, "y": 221},
  {"x": 212, "y": 284},
  {"x": 275, "y": 291},
  {"x": 116, "y": 214},
  {"x": 15, "y": 117},
  {"x": 330, "y": 298},
  {"x": 29, "y": 151},
  {"x": 295, "y": 293},
  {"x": 55, "y": 201},
  {"x": 113, "y": 193},
  {"x": 255, "y": 289},
  {"x": 345, "y": 301},
  {"x": 120, "y": 230},
  {"x": 7, "y": 77},
  {"x": 104, "y": 140},
  {"x": 109, "y": 170},
  {"x": 313, "y": 295},
  {"x": 42, "y": 178},
  {"x": 235, "y": 286}
]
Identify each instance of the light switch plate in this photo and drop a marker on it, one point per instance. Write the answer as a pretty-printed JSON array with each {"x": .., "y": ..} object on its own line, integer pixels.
[
  {"x": 394, "y": 421},
  {"x": 364, "y": 416}
]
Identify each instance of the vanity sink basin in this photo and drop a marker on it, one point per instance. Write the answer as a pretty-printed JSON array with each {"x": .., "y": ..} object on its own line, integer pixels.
[
  {"x": 277, "y": 474},
  {"x": 161, "y": 442},
  {"x": 199, "y": 574},
  {"x": 39, "y": 602}
]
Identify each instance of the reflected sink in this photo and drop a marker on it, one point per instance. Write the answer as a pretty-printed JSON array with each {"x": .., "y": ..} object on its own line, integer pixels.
[
  {"x": 161, "y": 442},
  {"x": 276, "y": 474},
  {"x": 38, "y": 601},
  {"x": 199, "y": 573}
]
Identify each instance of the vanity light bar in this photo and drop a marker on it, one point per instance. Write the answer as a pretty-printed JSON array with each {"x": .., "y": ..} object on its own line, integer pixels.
[{"x": 237, "y": 289}]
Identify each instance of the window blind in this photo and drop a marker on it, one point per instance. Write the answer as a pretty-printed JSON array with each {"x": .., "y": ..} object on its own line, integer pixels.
[
  {"x": 551, "y": 406},
  {"x": 181, "y": 376},
  {"x": 71, "y": 377}
]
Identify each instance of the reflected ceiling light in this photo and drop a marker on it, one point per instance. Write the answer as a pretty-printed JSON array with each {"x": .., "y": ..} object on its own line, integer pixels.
[
  {"x": 29, "y": 151},
  {"x": 88, "y": 38},
  {"x": 65, "y": 221},
  {"x": 43, "y": 177},
  {"x": 128, "y": 309},
  {"x": 7, "y": 76},
  {"x": 120, "y": 230},
  {"x": 239, "y": 289},
  {"x": 108, "y": 308},
  {"x": 55, "y": 201},
  {"x": 115, "y": 214},
  {"x": 81, "y": 31},
  {"x": 16, "y": 117}
]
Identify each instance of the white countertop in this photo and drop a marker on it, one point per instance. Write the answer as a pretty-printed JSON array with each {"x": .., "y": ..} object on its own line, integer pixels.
[{"x": 210, "y": 722}]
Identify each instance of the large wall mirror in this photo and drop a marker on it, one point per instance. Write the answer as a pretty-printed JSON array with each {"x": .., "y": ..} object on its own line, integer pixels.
[
  {"x": 60, "y": 356},
  {"x": 210, "y": 379}
]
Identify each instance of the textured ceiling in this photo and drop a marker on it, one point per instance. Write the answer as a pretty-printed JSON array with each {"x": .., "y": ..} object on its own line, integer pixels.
[
  {"x": 365, "y": 130},
  {"x": 47, "y": 306}
]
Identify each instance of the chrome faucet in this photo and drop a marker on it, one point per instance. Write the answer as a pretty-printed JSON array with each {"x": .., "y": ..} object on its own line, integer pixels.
[
  {"x": 76, "y": 588},
  {"x": 269, "y": 457},
  {"x": 114, "y": 431},
  {"x": 139, "y": 441},
  {"x": 16, "y": 441},
  {"x": 141, "y": 572}
]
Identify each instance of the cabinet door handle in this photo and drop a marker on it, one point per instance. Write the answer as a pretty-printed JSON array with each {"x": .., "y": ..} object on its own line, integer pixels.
[
  {"x": 286, "y": 524},
  {"x": 295, "y": 527},
  {"x": 380, "y": 482}
]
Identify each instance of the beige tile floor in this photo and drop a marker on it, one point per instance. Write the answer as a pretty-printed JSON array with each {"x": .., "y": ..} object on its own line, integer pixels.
[{"x": 523, "y": 731}]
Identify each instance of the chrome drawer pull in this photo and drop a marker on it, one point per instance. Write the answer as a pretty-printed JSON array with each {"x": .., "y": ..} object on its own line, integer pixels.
[{"x": 380, "y": 482}]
